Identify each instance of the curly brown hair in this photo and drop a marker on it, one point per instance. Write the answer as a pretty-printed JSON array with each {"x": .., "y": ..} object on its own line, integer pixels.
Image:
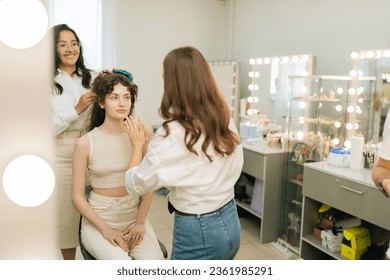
[{"x": 104, "y": 84}]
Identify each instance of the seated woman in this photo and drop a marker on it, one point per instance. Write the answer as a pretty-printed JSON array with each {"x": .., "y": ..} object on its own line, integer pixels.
[{"x": 114, "y": 224}]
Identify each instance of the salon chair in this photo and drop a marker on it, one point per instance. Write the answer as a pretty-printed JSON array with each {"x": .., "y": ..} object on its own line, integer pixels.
[{"x": 88, "y": 256}]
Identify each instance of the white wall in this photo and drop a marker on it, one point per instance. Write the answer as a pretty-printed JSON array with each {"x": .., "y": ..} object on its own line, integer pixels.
[
  {"x": 147, "y": 30},
  {"x": 330, "y": 30}
]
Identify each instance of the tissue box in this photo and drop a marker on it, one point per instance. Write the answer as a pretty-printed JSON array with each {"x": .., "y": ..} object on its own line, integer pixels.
[
  {"x": 329, "y": 238},
  {"x": 355, "y": 242},
  {"x": 332, "y": 247}
]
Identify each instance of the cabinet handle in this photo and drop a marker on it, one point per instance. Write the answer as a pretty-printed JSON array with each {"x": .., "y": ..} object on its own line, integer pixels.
[{"x": 352, "y": 190}]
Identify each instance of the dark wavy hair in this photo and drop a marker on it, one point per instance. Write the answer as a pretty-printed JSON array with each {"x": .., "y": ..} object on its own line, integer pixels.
[
  {"x": 80, "y": 66},
  {"x": 191, "y": 97},
  {"x": 104, "y": 84}
]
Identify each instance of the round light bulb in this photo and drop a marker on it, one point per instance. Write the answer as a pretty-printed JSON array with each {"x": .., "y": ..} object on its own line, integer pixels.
[
  {"x": 302, "y": 105},
  {"x": 259, "y": 61},
  {"x": 304, "y": 89},
  {"x": 351, "y": 91},
  {"x": 251, "y": 86},
  {"x": 255, "y": 99},
  {"x": 337, "y": 124},
  {"x": 370, "y": 54},
  {"x": 347, "y": 144},
  {"x": 336, "y": 141},
  {"x": 23, "y": 23},
  {"x": 354, "y": 55},
  {"x": 353, "y": 73},
  {"x": 250, "y": 99},
  {"x": 28, "y": 181},
  {"x": 339, "y": 90},
  {"x": 349, "y": 126},
  {"x": 267, "y": 60},
  {"x": 350, "y": 109},
  {"x": 301, "y": 120},
  {"x": 360, "y": 100},
  {"x": 339, "y": 108}
]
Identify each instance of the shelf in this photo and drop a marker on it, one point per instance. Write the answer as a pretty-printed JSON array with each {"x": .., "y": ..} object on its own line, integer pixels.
[
  {"x": 247, "y": 207},
  {"x": 296, "y": 182},
  {"x": 317, "y": 244}
]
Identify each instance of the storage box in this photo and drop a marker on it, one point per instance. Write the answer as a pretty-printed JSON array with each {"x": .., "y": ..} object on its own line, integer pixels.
[
  {"x": 355, "y": 242},
  {"x": 324, "y": 224},
  {"x": 332, "y": 247},
  {"x": 350, "y": 253},
  {"x": 357, "y": 238},
  {"x": 328, "y": 237}
]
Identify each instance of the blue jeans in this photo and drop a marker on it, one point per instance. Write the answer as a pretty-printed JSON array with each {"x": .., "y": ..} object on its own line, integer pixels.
[{"x": 215, "y": 236}]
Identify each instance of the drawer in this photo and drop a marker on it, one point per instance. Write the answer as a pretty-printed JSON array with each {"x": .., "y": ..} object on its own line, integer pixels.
[
  {"x": 254, "y": 164},
  {"x": 359, "y": 200}
]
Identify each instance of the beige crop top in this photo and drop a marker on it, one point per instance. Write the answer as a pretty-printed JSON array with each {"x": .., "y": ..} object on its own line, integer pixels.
[{"x": 109, "y": 159}]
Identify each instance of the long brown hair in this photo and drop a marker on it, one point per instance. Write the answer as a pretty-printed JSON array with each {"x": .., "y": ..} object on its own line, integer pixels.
[
  {"x": 81, "y": 69},
  {"x": 191, "y": 97}
]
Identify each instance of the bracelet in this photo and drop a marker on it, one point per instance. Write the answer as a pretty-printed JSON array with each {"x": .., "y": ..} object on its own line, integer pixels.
[{"x": 380, "y": 187}]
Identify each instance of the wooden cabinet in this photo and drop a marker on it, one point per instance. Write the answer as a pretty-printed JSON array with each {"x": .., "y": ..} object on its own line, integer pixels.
[
  {"x": 265, "y": 164},
  {"x": 351, "y": 191}
]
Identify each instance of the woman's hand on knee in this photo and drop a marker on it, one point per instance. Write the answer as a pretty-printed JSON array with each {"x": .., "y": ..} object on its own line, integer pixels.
[
  {"x": 135, "y": 234},
  {"x": 116, "y": 238}
]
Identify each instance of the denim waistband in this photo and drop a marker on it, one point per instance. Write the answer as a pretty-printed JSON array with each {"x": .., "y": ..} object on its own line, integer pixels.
[{"x": 173, "y": 209}]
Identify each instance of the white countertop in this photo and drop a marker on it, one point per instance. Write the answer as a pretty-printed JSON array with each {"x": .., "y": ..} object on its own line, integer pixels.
[
  {"x": 362, "y": 176},
  {"x": 261, "y": 148}
]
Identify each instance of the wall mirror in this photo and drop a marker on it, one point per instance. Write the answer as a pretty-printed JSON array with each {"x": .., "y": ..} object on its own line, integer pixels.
[
  {"x": 226, "y": 75},
  {"x": 375, "y": 63},
  {"x": 269, "y": 86}
]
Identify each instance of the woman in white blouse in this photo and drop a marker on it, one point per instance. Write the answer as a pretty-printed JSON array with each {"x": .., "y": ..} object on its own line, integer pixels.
[
  {"x": 71, "y": 105},
  {"x": 197, "y": 155}
]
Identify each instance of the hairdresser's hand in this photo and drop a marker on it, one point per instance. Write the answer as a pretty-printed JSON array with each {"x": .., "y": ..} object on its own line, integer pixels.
[
  {"x": 116, "y": 238},
  {"x": 85, "y": 101},
  {"x": 135, "y": 131},
  {"x": 135, "y": 234}
]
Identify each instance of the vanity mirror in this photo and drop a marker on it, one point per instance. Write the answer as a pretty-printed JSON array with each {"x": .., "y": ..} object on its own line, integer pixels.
[
  {"x": 269, "y": 85},
  {"x": 375, "y": 63}
]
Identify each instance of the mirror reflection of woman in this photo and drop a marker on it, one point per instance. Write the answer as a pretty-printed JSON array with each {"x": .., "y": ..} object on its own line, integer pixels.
[{"x": 71, "y": 105}]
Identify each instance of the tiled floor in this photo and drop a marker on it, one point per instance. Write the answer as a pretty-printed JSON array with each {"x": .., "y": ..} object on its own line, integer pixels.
[{"x": 250, "y": 248}]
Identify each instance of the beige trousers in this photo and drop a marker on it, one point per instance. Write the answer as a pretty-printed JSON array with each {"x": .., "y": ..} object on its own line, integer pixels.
[{"x": 119, "y": 213}]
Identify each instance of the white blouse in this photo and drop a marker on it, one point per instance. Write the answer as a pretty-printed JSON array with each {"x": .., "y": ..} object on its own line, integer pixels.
[
  {"x": 196, "y": 185},
  {"x": 64, "y": 115}
]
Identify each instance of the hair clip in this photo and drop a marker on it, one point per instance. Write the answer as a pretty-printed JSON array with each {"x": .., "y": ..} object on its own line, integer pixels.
[{"x": 123, "y": 72}]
